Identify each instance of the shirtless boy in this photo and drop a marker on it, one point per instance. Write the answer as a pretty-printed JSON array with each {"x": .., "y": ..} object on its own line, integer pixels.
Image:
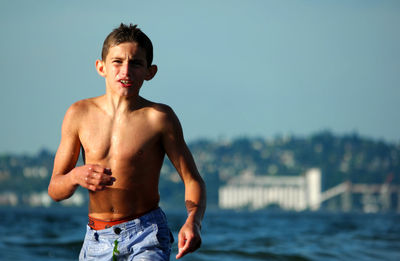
[{"x": 124, "y": 139}]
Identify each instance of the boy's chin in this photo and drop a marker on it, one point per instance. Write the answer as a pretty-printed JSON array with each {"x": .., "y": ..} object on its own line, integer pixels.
[{"x": 127, "y": 92}]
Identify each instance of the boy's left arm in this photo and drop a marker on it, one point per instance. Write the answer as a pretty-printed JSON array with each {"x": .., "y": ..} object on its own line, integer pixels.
[{"x": 189, "y": 238}]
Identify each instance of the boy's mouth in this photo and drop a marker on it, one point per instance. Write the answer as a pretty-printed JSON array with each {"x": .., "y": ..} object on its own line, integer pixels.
[{"x": 126, "y": 83}]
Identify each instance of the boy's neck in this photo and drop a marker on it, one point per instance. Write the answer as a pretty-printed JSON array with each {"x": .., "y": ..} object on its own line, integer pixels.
[{"x": 120, "y": 104}]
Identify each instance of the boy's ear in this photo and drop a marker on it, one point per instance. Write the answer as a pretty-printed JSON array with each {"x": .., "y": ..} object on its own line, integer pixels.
[
  {"x": 152, "y": 70},
  {"x": 100, "y": 67}
]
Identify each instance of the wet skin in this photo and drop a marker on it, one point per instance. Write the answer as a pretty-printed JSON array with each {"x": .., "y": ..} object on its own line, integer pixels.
[{"x": 125, "y": 139}]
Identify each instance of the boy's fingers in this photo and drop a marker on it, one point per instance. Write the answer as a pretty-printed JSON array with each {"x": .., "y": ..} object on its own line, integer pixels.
[
  {"x": 184, "y": 246},
  {"x": 98, "y": 179},
  {"x": 92, "y": 188},
  {"x": 181, "y": 244},
  {"x": 181, "y": 240},
  {"x": 100, "y": 169},
  {"x": 107, "y": 171},
  {"x": 182, "y": 251},
  {"x": 108, "y": 181},
  {"x": 99, "y": 173}
]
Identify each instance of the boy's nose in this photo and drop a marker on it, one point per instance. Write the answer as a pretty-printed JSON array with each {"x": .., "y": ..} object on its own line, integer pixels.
[{"x": 125, "y": 70}]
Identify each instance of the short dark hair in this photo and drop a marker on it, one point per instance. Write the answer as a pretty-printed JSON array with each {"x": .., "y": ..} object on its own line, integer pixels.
[{"x": 128, "y": 33}]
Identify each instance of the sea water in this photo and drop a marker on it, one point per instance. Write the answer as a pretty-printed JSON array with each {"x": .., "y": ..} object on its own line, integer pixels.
[{"x": 57, "y": 233}]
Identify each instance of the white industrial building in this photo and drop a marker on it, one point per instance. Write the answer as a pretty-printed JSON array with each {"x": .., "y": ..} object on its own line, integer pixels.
[{"x": 289, "y": 192}]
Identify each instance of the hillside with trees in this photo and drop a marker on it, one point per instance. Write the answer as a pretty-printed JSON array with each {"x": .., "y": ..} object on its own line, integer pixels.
[{"x": 340, "y": 158}]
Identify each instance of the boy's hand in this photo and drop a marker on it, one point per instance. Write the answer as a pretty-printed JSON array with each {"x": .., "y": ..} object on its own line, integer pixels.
[
  {"x": 189, "y": 239},
  {"x": 94, "y": 177}
]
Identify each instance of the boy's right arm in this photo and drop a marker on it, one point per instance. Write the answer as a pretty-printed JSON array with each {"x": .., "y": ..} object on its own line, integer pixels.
[{"x": 66, "y": 177}]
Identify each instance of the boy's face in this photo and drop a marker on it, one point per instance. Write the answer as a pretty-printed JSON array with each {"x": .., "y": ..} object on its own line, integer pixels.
[{"x": 125, "y": 68}]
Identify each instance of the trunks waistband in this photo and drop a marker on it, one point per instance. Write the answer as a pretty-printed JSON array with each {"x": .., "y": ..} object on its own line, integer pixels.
[{"x": 98, "y": 224}]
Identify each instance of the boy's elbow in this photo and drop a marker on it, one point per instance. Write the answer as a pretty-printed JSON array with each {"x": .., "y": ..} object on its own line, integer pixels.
[
  {"x": 55, "y": 199},
  {"x": 53, "y": 195}
]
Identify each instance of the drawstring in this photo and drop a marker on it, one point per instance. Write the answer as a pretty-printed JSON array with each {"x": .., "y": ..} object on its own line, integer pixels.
[{"x": 115, "y": 250}]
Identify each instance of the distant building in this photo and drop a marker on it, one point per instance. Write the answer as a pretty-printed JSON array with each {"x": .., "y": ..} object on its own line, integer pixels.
[
  {"x": 8, "y": 199},
  {"x": 256, "y": 192},
  {"x": 36, "y": 172}
]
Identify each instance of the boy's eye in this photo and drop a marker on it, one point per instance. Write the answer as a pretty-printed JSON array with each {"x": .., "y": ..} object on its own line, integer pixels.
[
  {"x": 137, "y": 63},
  {"x": 117, "y": 61}
]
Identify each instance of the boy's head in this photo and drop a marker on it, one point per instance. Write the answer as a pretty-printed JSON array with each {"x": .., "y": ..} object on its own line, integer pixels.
[{"x": 128, "y": 33}]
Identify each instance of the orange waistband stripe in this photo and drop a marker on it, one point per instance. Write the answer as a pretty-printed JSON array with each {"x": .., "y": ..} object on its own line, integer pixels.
[{"x": 98, "y": 224}]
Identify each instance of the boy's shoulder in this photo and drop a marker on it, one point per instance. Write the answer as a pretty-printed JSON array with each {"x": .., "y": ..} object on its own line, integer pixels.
[
  {"x": 152, "y": 105},
  {"x": 85, "y": 104},
  {"x": 157, "y": 108},
  {"x": 82, "y": 106},
  {"x": 159, "y": 111}
]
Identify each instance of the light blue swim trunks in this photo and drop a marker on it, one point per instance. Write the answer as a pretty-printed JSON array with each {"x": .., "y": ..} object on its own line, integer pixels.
[{"x": 144, "y": 238}]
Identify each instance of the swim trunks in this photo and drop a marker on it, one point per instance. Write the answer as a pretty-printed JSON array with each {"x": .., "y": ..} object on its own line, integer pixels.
[
  {"x": 98, "y": 224},
  {"x": 145, "y": 238}
]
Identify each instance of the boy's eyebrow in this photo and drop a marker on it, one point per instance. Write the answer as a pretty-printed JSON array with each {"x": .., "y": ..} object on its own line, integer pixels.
[
  {"x": 116, "y": 57},
  {"x": 132, "y": 58}
]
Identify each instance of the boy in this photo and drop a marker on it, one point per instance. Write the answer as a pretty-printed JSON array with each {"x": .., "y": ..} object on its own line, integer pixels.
[{"x": 124, "y": 139}]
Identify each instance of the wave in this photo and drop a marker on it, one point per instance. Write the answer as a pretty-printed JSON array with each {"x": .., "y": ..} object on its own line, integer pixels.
[{"x": 258, "y": 255}]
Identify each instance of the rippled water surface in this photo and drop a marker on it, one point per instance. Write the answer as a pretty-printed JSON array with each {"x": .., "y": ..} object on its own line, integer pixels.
[{"x": 57, "y": 233}]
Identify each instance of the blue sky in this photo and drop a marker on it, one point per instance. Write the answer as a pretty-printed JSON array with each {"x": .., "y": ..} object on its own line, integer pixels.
[{"x": 228, "y": 68}]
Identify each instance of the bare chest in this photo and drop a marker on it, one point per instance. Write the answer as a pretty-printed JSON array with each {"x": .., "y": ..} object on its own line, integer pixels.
[{"x": 124, "y": 139}]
